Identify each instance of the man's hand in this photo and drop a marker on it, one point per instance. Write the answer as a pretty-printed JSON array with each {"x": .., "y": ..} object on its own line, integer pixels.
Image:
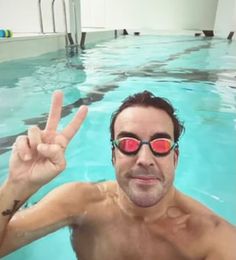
[
  {"x": 40, "y": 156},
  {"x": 36, "y": 159}
]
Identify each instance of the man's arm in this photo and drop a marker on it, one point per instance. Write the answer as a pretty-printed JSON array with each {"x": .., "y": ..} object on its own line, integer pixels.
[
  {"x": 61, "y": 207},
  {"x": 11, "y": 198},
  {"x": 36, "y": 159}
]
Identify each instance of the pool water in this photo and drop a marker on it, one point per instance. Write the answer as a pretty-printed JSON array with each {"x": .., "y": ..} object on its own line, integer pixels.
[{"x": 196, "y": 74}]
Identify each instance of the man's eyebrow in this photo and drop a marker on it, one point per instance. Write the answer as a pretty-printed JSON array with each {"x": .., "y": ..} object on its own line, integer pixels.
[
  {"x": 155, "y": 136},
  {"x": 160, "y": 135},
  {"x": 127, "y": 134}
]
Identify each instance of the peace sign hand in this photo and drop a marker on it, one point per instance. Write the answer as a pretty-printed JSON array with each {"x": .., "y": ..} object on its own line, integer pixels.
[{"x": 40, "y": 156}]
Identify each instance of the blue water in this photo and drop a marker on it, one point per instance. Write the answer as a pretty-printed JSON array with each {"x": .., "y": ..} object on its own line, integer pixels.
[{"x": 197, "y": 75}]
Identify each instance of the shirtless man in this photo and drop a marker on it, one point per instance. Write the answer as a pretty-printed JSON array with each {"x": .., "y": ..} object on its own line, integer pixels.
[{"x": 141, "y": 216}]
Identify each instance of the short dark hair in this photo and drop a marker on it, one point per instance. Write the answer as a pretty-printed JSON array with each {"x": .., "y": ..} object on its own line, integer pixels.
[{"x": 148, "y": 99}]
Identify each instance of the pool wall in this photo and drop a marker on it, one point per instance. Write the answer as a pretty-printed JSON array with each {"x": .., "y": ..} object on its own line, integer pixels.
[{"x": 27, "y": 46}]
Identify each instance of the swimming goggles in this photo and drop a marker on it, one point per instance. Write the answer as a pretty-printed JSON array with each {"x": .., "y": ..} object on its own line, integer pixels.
[{"x": 131, "y": 146}]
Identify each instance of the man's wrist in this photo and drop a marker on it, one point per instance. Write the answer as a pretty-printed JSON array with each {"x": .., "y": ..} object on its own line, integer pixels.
[
  {"x": 12, "y": 197},
  {"x": 18, "y": 190}
]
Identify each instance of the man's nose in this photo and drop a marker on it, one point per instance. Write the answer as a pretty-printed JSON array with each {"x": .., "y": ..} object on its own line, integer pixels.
[{"x": 145, "y": 156}]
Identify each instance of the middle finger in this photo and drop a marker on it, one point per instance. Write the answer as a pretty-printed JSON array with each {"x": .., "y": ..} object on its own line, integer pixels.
[{"x": 55, "y": 112}]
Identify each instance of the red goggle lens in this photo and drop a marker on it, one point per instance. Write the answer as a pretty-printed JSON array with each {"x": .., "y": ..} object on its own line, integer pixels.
[
  {"x": 129, "y": 145},
  {"x": 161, "y": 145}
]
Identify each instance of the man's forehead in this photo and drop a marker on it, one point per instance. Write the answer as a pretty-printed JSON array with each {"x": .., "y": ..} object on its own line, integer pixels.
[{"x": 139, "y": 118}]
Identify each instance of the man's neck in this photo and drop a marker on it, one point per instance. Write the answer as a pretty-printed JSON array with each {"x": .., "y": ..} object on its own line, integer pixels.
[{"x": 147, "y": 214}]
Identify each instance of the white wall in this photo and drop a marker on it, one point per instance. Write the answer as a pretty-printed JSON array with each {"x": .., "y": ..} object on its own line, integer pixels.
[
  {"x": 23, "y": 15},
  {"x": 93, "y": 13},
  {"x": 225, "y": 17},
  {"x": 19, "y": 17},
  {"x": 151, "y": 14}
]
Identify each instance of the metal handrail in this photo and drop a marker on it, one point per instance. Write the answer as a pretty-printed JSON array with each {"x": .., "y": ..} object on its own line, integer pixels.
[
  {"x": 53, "y": 17},
  {"x": 40, "y": 16},
  {"x": 65, "y": 19},
  {"x": 76, "y": 27}
]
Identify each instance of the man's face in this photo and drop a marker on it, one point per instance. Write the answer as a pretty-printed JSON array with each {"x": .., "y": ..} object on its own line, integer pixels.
[{"x": 144, "y": 177}]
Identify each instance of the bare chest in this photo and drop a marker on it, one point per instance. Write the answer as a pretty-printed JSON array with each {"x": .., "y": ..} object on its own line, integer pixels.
[{"x": 120, "y": 240}]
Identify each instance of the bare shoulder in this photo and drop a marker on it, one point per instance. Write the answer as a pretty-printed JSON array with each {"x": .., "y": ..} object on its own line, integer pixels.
[
  {"x": 81, "y": 196},
  {"x": 93, "y": 191},
  {"x": 222, "y": 242},
  {"x": 215, "y": 236},
  {"x": 73, "y": 192},
  {"x": 78, "y": 196},
  {"x": 201, "y": 216},
  {"x": 189, "y": 204},
  {"x": 107, "y": 188}
]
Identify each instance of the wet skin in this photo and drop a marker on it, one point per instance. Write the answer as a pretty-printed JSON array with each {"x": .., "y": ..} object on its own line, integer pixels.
[
  {"x": 109, "y": 230},
  {"x": 139, "y": 216},
  {"x": 142, "y": 216}
]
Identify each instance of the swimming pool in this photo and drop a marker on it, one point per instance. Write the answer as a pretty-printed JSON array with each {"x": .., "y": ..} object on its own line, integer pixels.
[{"x": 196, "y": 74}]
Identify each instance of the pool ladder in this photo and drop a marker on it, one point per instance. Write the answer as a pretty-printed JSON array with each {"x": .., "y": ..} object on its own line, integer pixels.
[{"x": 70, "y": 45}]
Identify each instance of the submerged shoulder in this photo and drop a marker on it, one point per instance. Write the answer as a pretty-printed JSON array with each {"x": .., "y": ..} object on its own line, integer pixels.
[
  {"x": 80, "y": 191},
  {"x": 223, "y": 240},
  {"x": 215, "y": 236},
  {"x": 202, "y": 218},
  {"x": 192, "y": 206},
  {"x": 73, "y": 190},
  {"x": 87, "y": 200},
  {"x": 91, "y": 193},
  {"x": 75, "y": 197}
]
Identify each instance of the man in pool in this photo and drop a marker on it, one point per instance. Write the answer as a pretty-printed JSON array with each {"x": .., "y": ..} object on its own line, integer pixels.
[{"x": 141, "y": 215}]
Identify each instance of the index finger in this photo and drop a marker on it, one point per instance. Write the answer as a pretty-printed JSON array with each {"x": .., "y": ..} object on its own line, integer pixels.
[
  {"x": 75, "y": 124},
  {"x": 55, "y": 111}
]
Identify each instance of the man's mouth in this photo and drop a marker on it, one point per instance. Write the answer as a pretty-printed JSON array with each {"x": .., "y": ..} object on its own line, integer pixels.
[{"x": 145, "y": 180}]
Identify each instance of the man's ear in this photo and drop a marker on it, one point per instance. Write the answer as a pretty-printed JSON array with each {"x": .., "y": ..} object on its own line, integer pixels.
[{"x": 113, "y": 156}]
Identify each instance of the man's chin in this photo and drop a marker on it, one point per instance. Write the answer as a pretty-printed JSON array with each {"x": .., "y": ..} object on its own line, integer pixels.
[{"x": 145, "y": 199}]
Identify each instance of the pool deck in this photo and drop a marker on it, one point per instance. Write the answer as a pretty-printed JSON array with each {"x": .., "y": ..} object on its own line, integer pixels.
[{"x": 26, "y": 45}]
